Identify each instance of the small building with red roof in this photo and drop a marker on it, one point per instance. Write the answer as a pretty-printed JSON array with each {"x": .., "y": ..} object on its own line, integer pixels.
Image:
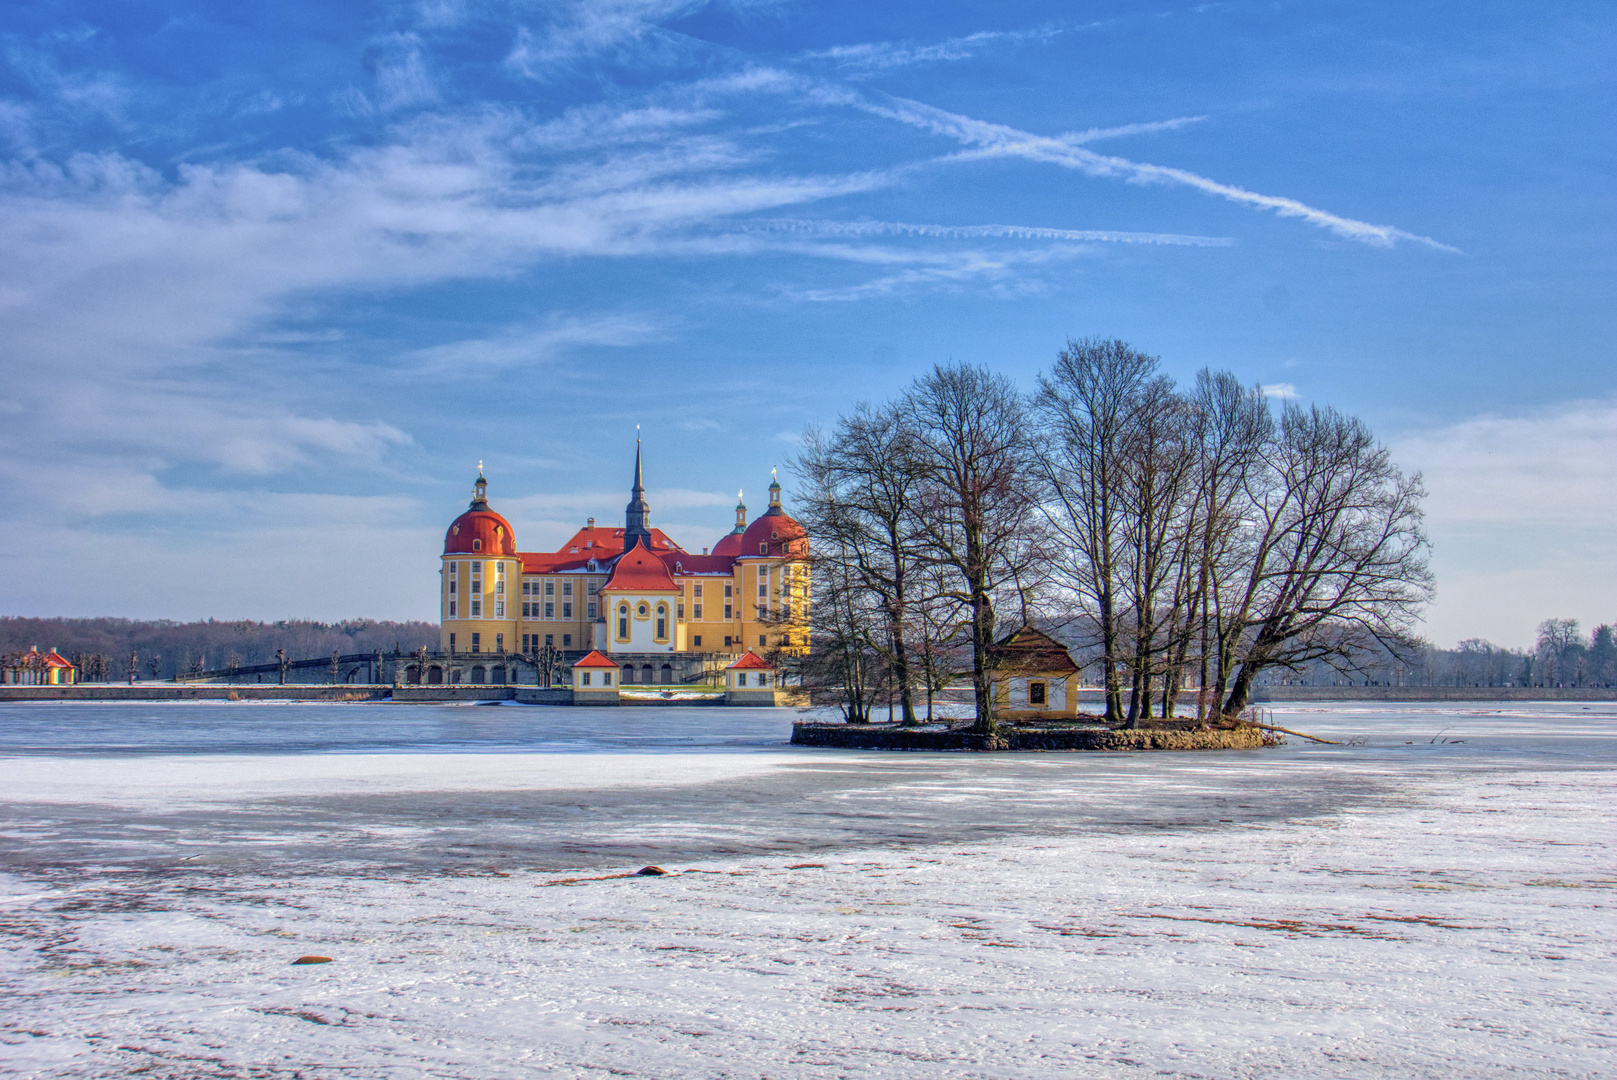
[{"x": 34, "y": 668}]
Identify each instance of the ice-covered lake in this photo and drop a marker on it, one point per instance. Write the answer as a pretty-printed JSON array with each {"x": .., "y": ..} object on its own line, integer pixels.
[{"x": 1435, "y": 899}]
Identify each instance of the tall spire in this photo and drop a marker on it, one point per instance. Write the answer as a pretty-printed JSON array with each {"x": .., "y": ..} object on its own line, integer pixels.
[
  {"x": 741, "y": 515},
  {"x": 480, "y": 490},
  {"x": 637, "y": 516}
]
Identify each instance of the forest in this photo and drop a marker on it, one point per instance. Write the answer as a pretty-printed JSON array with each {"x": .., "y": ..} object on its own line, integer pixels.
[{"x": 104, "y": 649}]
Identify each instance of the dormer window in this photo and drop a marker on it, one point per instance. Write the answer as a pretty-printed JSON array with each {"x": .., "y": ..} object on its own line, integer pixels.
[
  {"x": 763, "y": 549},
  {"x": 592, "y": 567},
  {"x": 477, "y": 545}
]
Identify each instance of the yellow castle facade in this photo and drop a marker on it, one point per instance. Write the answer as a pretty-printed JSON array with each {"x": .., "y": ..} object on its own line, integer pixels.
[{"x": 631, "y": 592}]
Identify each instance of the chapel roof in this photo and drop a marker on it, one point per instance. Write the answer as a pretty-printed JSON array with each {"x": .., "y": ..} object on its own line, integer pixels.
[{"x": 1033, "y": 652}]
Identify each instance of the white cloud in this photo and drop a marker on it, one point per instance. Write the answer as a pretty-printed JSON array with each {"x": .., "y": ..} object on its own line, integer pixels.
[
  {"x": 998, "y": 140},
  {"x": 522, "y": 346},
  {"x": 976, "y": 232},
  {"x": 1521, "y": 512},
  {"x": 1278, "y": 390},
  {"x": 875, "y": 56}
]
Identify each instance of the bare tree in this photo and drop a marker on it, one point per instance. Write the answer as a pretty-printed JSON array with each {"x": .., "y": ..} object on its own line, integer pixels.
[
  {"x": 975, "y": 499},
  {"x": 1338, "y": 558},
  {"x": 1086, "y": 405},
  {"x": 862, "y": 480}
]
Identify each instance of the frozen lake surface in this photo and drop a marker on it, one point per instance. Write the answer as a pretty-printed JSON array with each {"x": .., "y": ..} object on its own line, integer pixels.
[{"x": 1434, "y": 901}]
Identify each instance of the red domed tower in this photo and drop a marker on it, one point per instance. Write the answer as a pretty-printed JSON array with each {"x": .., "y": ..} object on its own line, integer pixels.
[
  {"x": 774, "y": 534},
  {"x": 480, "y": 577}
]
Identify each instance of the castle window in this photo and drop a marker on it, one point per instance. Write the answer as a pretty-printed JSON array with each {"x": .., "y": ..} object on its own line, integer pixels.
[
  {"x": 727, "y": 592},
  {"x": 726, "y": 641},
  {"x": 727, "y": 613},
  {"x": 477, "y": 545},
  {"x": 763, "y": 548},
  {"x": 642, "y": 610},
  {"x": 584, "y": 680},
  {"x": 452, "y": 584},
  {"x": 499, "y": 587},
  {"x": 662, "y": 622},
  {"x": 567, "y": 588},
  {"x": 592, "y": 610},
  {"x": 623, "y": 622},
  {"x": 550, "y": 588},
  {"x": 550, "y": 611},
  {"x": 527, "y": 588},
  {"x": 696, "y": 642},
  {"x": 451, "y": 642},
  {"x": 696, "y": 612},
  {"x": 606, "y": 678},
  {"x": 525, "y": 640},
  {"x": 477, "y": 608},
  {"x": 526, "y": 609},
  {"x": 452, "y": 568},
  {"x": 477, "y": 568},
  {"x": 567, "y": 641},
  {"x": 499, "y": 643},
  {"x": 451, "y": 609},
  {"x": 499, "y": 609},
  {"x": 679, "y": 611},
  {"x": 696, "y": 591},
  {"x": 594, "y": 586},
  {"x": 786, "y": 611},
  {"x": 762, "y": 640},
  {"x": 477, "y": 643},
  {"x": 567, "y": 611}
]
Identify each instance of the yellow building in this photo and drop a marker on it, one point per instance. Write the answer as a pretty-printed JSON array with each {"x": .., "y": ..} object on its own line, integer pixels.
[
  {"x": 630, "y": 592},
  {"x": 1035, "y": 677}
]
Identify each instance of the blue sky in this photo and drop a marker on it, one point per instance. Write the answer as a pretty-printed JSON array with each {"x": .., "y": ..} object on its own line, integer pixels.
[{"x": 274, "y": 280}]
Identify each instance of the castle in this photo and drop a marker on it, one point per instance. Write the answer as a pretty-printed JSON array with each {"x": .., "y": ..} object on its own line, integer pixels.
[{"x": 632, "y": 593}]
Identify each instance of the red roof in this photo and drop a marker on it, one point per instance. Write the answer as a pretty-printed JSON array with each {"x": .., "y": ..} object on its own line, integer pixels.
[
  {"x": 730, "y": 545},
  {"x": 596, "y": 659},
  {"x": 602, "y": 545},
  {"x": 492, "y": 530},
  {"x": 680, "y": 562},
  {"x": 640, "y": 570},
  {"x": 750, "y": 661},
  {"x": 55, "y": 659},
  {"x": 777, "y": 533}
]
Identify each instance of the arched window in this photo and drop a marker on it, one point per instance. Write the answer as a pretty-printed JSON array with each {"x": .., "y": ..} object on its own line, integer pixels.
[
  {"x": 479, "y": 676},
  {"x": 667, "y": 674},
  {"x": 477, "y": 545},
  {"x": 647, "y": 675},
  {"x": 623, "y": 622},
  {"x": 628, "y": 674},
  {"x": 662, "y": 622}
]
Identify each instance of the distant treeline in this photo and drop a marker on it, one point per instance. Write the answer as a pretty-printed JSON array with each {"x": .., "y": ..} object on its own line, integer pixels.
[
  {"x": 1562, "y": 656},
  {"x": 102, "y": 647}
]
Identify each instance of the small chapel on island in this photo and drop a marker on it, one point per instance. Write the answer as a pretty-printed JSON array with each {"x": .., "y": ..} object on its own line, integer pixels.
[{"x": 660, "y": 613}]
